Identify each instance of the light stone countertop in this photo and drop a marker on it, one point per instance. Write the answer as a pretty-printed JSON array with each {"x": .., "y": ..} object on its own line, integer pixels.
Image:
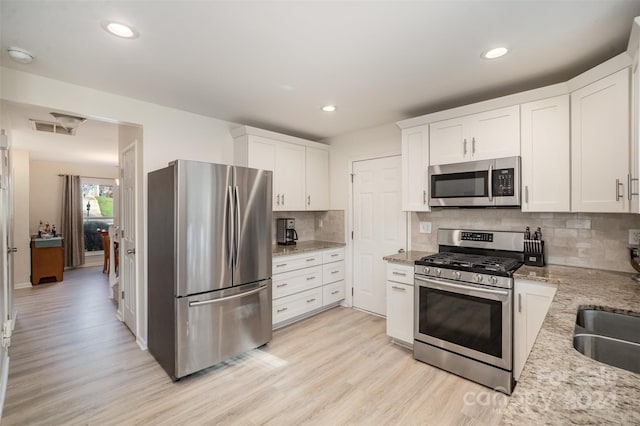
[
  {"x": 559, "y": 385},
  {"x": 407, "y": 258},
  {"x": 304, "y": 246}
]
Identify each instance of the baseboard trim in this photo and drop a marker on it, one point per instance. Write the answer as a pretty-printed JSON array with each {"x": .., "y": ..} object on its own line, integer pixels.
[
  {"x": 22, "y": 285},
  {"x": 4, "y": 378},
  {"x": 142, "y": 344}
]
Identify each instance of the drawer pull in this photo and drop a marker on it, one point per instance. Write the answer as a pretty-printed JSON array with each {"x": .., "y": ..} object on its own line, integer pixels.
[
  {"x": 311, "y": 300},
  {"x": 311, "y": 259},
  {"x": 398, "y": 288},
  {"x": 335, "y": 255},
  {"x": 282, "y": 310},
  {"x": 335, "y": 292},
  {"x": 282, "y": 285},
  {"x": 335, "y": 272},
  {"x": 402, "y": 274},
  {"x": 311, "y": 278},
  {"x": 281, "y": 265}
]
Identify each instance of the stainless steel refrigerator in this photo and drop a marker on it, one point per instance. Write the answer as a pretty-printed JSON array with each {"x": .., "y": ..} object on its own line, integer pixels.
[{"x": 209, "y": 263}]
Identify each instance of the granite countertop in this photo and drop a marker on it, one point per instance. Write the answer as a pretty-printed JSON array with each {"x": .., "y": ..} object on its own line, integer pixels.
[
  {"x": 304, "y": 246},
  {"x": 408, "y": 258},
  {"x": 559, "y": 385}
]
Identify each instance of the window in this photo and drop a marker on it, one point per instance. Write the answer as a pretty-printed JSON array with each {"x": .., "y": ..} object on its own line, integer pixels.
[{"x": 98, "y": 210}]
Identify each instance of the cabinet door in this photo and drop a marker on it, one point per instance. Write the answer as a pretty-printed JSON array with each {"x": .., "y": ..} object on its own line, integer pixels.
[
  {"x": 600, "y": 145},
  {"x": 400, "y": 311},
  {"x": 317, "y": 179},
  {"x": 415, "y": 167},
  {"x": 546, "y": 155},
  {"x": 262, "y": 153},
  {"x": 532, "y": 301},
  {"x": 447, "y": 141},
  {"x": 290, "y": 177},
  {"x": 495, "y": 134}
]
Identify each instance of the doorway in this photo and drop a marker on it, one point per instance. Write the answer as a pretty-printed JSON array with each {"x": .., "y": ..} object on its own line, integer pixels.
[{"x": 379, "y": 228}]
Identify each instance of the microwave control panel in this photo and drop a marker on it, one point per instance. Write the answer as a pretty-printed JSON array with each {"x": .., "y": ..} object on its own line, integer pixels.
[{"x": 503, "y": 183}]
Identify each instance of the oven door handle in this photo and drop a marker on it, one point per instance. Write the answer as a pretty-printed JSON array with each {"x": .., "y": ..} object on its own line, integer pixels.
[{"x": 467, "y": 288}]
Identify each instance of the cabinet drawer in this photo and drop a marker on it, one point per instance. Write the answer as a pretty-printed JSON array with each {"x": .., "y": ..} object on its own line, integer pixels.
[
  {"x": 298, "y": 261},
  {"x": 296, "y": 304},
  {"x": 400, "y": 273},
  {"x": 333, "y": 255},
  {"x": 332, "y": 272},
  {"x": 332, "y": 293},
  {"x": 296, "y": 281}
]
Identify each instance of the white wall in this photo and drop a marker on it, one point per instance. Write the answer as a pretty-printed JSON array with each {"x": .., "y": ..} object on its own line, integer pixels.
[
  {"x": 345, "y": 148},
  {"x": 45, "y": 189},
  {"x": 21, "y": 235},
  {"x": 168, "y": 133}
]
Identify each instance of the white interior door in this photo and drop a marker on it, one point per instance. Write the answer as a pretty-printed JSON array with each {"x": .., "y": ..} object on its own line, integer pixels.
[
  {"x": 128, "y": 238},
  {"x": 379, "y": 227}
]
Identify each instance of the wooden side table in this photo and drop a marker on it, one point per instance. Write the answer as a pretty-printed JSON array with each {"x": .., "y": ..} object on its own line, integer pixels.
[{"x": 47, "y": 259}]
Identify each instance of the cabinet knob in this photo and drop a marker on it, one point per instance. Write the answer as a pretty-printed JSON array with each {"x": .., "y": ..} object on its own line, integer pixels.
[{"x": 131, "y": 251}]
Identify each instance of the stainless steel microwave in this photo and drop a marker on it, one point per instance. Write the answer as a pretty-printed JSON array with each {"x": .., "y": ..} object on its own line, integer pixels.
[{"x": 485, "y": 183}]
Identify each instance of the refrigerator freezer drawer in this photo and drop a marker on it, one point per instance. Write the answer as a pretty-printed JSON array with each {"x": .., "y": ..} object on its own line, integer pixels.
[{"x": 216, "y": 326}]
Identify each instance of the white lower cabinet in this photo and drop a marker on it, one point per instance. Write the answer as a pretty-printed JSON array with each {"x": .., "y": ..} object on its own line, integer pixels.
[
  {"x": 532, "y": 300},
  {"x": 400, "y": 303},
  {"x": 305, "y": 284}
]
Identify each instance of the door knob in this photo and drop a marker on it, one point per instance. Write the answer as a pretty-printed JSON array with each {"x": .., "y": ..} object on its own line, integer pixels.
[
  {"x": 12, "y": 250},
  {"x": 131, "y": 251}
]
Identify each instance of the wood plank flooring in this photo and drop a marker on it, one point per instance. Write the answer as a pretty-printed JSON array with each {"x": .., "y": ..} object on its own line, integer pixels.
[{"x": 72, "y": 362}]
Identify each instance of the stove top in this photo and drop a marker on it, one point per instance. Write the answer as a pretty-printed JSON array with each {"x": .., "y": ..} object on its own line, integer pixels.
[{"x": 472, "y": 262}]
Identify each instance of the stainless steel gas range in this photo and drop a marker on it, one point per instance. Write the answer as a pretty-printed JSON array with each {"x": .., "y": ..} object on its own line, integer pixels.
[{"x": 464, "y": 305}]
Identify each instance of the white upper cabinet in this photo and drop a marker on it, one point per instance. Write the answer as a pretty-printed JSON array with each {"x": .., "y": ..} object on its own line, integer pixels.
[
  {"x": 289, "y": 180},
  {"x": 600, "y": 145},
  {"x": 482, "y": 136},
  {"x": 317, "y": 162},
  {"x": 415, "y": 167},
  {"x": 546, "y": 178},
  {"x": 300, "y": 168}
]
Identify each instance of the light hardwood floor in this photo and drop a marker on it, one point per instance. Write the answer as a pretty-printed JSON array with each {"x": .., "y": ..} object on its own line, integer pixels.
[{"x": 73, "y": 362}]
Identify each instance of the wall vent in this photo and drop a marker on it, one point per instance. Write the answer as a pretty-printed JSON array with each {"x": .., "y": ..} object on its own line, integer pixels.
[{"x": 50, "y": 127}]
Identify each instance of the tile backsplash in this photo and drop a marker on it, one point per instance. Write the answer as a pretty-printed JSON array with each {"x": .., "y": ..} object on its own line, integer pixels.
[
  {"x": 593, "y": 240},
  {"x": 308, "y": 225}
]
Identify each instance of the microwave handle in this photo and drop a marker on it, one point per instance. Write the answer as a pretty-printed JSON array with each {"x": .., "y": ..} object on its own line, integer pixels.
[{"x": 490, "y": 183}]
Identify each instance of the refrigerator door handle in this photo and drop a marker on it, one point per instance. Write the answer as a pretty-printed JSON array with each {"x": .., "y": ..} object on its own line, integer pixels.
[
  {"x": 225, "y": 299},
  {"x": 237, "y": 230},
  {"x": 230, "y": 229}
]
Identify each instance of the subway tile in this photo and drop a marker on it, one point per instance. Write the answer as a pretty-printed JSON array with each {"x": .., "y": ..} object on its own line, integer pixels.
[{"x": 579, "y": 223}]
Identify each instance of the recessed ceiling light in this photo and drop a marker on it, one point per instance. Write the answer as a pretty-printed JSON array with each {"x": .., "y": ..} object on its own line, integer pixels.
[
  {"x": 20, "y": 55},
  {"x": 120, "y": 30},
  {"x": 495, "y": 53},
  {"x": 329, "y": 108}
]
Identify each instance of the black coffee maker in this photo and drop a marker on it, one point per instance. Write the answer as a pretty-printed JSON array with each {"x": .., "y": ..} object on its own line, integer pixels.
[{"x": 285, "y": 231}]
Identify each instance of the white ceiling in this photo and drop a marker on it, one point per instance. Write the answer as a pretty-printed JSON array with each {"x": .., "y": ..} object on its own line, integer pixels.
[
  {"x": 274, "y": 64},
  {"x": 95, "y": 142}
]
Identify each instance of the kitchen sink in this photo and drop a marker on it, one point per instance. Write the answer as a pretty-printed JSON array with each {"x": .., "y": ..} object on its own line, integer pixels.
[
  {"x": 608, "y": 337},
  {"x": 610, "y": 324}
]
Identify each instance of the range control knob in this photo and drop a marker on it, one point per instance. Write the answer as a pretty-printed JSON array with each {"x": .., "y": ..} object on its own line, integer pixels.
[
  {"x": 438, "y": 272},
  {"x": 493, "y": 280},
  {"x": 427, "y": 270},
  {"x": 457, "y": 274},
  {"x": 478, "y": 278}
]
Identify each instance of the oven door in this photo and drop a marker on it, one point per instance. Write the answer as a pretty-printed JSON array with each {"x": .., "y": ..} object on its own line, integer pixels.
[{"x": 467, "y": 319}]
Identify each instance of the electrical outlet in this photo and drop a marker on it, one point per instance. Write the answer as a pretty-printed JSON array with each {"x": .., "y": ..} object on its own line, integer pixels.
[
  {"x": 634, "y": 236},
  {"x": 425, "y": 227},
  {"x": 320, "y": 223}
]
